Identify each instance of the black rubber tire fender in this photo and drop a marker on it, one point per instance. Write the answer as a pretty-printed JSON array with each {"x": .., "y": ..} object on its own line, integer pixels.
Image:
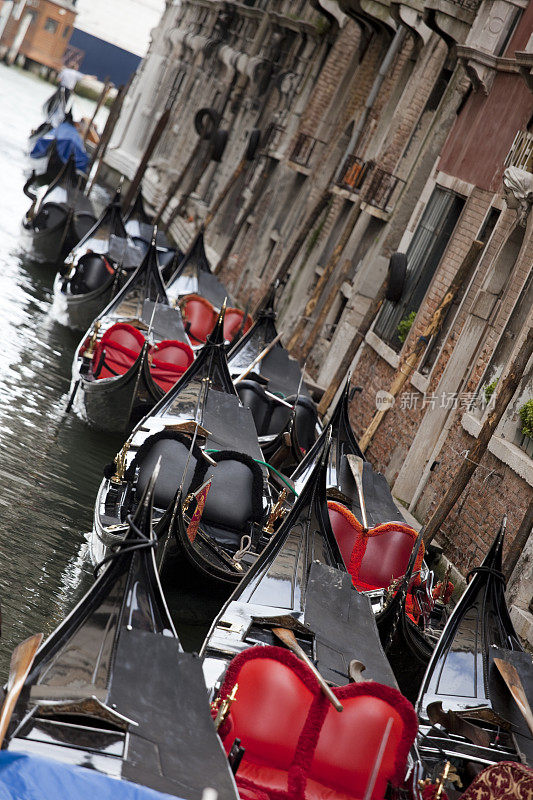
[
  {"x": 206, "y": 122},
  {"x": 253, "y": 144},
  {"x": 219, "y": 141},
  {"x": 397, "y": 273}
]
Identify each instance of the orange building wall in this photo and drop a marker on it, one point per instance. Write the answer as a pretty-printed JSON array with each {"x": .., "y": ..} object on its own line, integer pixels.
[{"x": 44, "y": 47}]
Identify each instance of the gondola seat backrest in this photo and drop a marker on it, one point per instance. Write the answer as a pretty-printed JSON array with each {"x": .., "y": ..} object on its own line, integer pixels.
[
  {"x": 233, "y": 320},
  {"x": 173, "y": 449},
  {"x": 253, "y": 396},
  {"x": 235, "y": 498},
  {"x": 199, "y": 317},
  {"x": 50, "y": 216},
  {"x": 306, "y": 418},
  {"x": 296, "y": 743},
  {"x": 168, "y": 361},
  {"x": 92, "y": 271},
  {"x": 117, "y": 350},
  {"x": 375, "y": 557}
]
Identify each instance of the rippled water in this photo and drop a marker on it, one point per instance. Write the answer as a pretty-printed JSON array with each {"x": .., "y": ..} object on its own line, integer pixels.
[{"x": 50, "y": 465}]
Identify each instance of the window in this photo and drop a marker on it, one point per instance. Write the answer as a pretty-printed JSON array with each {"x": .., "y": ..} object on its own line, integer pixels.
[
  {"x": 433, "y": 349},
  {"x": 423, "y": 257},
  {"x": 51, "y": 25},
  {"x": 66, "y": 31}
]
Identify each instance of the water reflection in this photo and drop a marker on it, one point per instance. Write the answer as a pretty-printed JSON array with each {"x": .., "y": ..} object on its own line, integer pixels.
[{"x": 50, "y": 466}]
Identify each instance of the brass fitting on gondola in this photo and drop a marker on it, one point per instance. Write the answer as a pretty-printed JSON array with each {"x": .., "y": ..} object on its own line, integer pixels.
[
  {"x": 448, "y": 774},
  {"x": 89, "y": 352},
  {"x": 223, "y": 708},
  {"x": 120, "y": 462},
  {"x": 278, "y": 512}
]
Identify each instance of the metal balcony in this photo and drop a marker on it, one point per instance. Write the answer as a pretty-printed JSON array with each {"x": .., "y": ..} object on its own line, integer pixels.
[
  {"x": 303, "y": 149},
  {"x": 353, "y": 174},
  {"x": 521, "y": 153},
  {"x": 272, "y": 137},
  {"x": 382, "y": 189}
]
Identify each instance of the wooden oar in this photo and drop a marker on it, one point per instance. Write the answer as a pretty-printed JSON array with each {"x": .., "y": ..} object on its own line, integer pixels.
[
  {"x": 21, "y": 662},
  {"x": 258, "y": 358},
  {"x": 515, "y": 686},
  {"x": 356, "y": 466},
  {"x": 289, "y": 639}
]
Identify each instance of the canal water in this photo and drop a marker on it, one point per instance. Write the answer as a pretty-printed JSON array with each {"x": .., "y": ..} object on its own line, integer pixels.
[{"x": 50, "y": 463}]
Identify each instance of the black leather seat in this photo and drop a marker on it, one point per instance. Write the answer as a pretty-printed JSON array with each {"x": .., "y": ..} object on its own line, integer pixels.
[{"x": 174, "y": 454}]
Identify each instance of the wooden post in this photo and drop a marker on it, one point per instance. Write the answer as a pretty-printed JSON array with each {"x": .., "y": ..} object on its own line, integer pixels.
[
  {"x": 101, "y": 99},
  {"x": 353, "y": 347},
  {"x": 312, "y": 335},
  {"x": 99, "y": 153},
  {"x": 193, "y": 182},
  {"x": 407, "y": 368},
  {"x": 258, "y": 191},
  {"x": 305, "y": 230},
  {"x": 225, "y": 191},
  {"x": 174, "y": 186},
  {"x": 504, "y": 392},
  {"x": 141, "y": 169},
  {"x": 324, "y": 278}
]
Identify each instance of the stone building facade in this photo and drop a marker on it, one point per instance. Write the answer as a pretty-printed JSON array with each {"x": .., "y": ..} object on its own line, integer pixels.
[
  {"x": 400, "y": 118},
  {"x": 36, "y": 31}
]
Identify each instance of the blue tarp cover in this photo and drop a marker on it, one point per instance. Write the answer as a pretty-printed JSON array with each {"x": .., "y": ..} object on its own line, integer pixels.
[
  {"x": 68, "y": 141},
  {"x": 25, "y": 777}
]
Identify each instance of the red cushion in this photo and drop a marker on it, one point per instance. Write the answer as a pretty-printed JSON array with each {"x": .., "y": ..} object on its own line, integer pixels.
[
  {"x": 233, "y": 321},
  {"x": 373, "y": 558},
  {"x": 169, "y": 360},
  {"x": 344, "y": 759},
  {"x": 117, "y": 350},
  {"x": 269, "y": 691},
  {"x": 297, "y": 746},
  {"x": 386, "y": 557},
  {"x": 344, "y": 528},
  {"x": 199, "y": 316}
]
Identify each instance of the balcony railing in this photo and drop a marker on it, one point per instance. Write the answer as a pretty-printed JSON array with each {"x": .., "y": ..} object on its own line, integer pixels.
[
  {"x": 521, "y": 153},
  {"x": 272, "y": 138},
  {"x": 303, "y": 150},
  {"x": 382, "y": 189},
  {"x": 353, "y": 173}
]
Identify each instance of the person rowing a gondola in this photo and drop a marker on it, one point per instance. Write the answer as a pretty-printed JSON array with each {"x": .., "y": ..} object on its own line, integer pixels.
[
  {"x": 134, "y": 352},
  {"x": 95, "y": 269},
  {"x": 212, "y": 497},
  {"x": 200, "y": 296}
]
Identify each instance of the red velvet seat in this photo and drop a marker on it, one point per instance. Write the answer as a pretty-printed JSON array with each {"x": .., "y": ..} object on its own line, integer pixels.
[
  {"x": 373, "y": 558},
  {"x": 199, "y": 317},
  {"x": 297, "y": 746},
  {"x": 233, "y": 321},
  {"x": 169, "y": 360},
  {"x": 117, "y": 350}
]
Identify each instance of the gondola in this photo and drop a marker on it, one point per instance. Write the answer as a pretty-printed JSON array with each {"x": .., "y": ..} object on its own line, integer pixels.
[
  {"x": 60, "y": 216},
  {"x": 111, "y": 695},
  {"x": 467, "y": 714},
  {"x": 202, "y": 431},
  {"x": 139, "y": 226},
  {"x": 404, "y": 618},
  {"x": 135, "y": 350},
  {"x": 201, "y": 295},
  {"x": 53, "y": 150},
  {"x": 284, "y": 413},
  {"x": 95, "y": 269},
  {"x": 297, "y": 588},
  {"x": 300, "y": 577}
]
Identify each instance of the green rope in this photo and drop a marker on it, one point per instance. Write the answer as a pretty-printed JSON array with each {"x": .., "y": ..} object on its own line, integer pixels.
[{"x": 265, "y": 464}]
